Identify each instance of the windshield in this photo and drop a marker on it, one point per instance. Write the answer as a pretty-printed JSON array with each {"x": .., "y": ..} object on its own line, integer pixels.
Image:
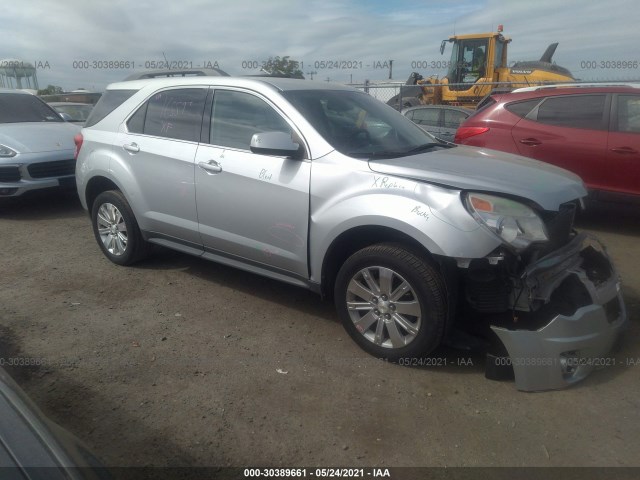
[
  {"x": 18, "y": 108},
  {"x": 359, "y": 125}
]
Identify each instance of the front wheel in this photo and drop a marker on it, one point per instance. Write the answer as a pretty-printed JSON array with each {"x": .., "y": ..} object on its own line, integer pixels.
[
  {"x": 392, "y": 301},
  {"x": 116, "y": 229}
]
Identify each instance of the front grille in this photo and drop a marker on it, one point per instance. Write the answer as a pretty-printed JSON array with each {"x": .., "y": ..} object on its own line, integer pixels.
[
  {"x": 9, "y": 174},
  {"x": 58, "y": 168},
  {"x": 488, "y": 296}
]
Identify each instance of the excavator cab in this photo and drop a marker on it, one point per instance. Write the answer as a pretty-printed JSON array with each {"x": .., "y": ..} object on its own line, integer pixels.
[{"x": 474, "y": 58}]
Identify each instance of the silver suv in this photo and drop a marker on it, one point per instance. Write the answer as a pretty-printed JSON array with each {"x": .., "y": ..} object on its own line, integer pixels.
[{"x": 327, "y": 188}]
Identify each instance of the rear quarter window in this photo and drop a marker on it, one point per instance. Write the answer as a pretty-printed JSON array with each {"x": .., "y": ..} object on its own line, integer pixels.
[
  {"x": 523, "y": 108},
  {"x": 108, "y": 102}
]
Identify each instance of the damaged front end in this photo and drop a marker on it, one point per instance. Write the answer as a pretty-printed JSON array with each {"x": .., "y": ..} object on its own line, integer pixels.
[
  {"x": 554, "y": 306},
  {"x": 567, "y": 313}
]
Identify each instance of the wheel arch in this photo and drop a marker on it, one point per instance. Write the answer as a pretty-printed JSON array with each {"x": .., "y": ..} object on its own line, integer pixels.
[
  {"x": 97, "y": 185},
  {"x": 357, "y": 238}
]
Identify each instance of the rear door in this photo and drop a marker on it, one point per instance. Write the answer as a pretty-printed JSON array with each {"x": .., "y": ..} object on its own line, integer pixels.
[
  {"x": 251, "y": 207},
  {"x": 158, "y": 144},
  {"x": 623, "y": 146},
  {"x": 569, "y": 131}
]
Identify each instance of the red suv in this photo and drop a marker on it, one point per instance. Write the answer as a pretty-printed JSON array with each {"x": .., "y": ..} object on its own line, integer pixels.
[{"x": 591, "y": 130}]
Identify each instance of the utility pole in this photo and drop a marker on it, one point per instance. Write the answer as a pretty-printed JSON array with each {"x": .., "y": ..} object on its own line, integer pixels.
[
  {"x": 390, "y": 69},
  {"x": 312, "y": 74}
]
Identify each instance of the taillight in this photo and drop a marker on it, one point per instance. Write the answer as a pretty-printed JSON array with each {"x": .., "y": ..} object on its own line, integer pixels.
[
  {"x": 78, "y": 139},
  {"x": 466, "y": 132}
]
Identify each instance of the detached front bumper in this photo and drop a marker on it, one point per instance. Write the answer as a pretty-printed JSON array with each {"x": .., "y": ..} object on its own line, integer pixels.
[{"x": 572, "y": 344}]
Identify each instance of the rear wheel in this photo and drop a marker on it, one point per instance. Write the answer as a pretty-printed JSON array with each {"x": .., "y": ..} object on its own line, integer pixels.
[
  {"x": 392, "y": 301},
  {"x": 116, "y": 229}
]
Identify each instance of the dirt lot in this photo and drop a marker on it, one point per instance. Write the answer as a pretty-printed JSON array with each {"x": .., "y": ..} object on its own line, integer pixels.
[{"x": 181, "y": 362}]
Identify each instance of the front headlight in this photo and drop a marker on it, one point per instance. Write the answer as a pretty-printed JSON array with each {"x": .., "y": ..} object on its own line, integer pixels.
[
  {"x": 6, "y": 152},
  {"x": 515, "y": 223}
]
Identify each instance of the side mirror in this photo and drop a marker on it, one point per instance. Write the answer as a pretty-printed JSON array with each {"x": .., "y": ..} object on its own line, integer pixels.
[
  {"x": 278, "y": 144},
  {"x": 65, "y": 116}
]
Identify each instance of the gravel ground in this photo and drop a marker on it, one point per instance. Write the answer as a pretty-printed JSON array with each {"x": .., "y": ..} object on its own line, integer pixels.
[{"x": 182, "y": 362}]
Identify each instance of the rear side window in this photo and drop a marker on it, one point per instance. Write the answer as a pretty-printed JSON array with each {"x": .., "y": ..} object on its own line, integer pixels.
[
  {"x": 628, "y": 113},
  {"x": 575, "y": 111},
  {"x": 171, "y": 114},
  {"x": 108, "y": 102},
  {"x": 522, "y": 109}
]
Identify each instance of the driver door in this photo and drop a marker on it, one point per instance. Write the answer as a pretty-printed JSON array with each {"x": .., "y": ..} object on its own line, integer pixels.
[{"x": 251, "y": 207}]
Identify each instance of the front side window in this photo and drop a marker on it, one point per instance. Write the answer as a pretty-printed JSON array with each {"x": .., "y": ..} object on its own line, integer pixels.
[
  {"x": 575, "y": 111},
  {"x": 629, "y": 113},
  {"x": 19, "y": 108},
  {"x": 357, "y": 124},
  {"x": 173, "y": 114},
  {"x": 237, "y": 116}
]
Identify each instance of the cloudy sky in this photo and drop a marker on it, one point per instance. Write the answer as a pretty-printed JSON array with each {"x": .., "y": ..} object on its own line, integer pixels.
[{"x": 74, "y": 43}]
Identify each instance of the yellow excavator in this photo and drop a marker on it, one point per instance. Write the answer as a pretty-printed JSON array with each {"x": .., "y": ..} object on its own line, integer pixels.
[{"x": 478, "y": 67}]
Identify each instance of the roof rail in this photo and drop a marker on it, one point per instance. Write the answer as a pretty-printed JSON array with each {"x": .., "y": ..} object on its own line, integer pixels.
[{"x": 577, "y": 85}]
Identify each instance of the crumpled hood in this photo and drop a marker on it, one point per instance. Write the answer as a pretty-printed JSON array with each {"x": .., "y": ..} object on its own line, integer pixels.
[
  {"x": 36, "y": 137},
  {"x": 470, "y": 168}
]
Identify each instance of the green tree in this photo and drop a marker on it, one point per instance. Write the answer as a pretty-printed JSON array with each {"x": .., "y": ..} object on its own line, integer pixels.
[
  {"x": 283, "y": 66},
  {"x": 50, "y": 90}
]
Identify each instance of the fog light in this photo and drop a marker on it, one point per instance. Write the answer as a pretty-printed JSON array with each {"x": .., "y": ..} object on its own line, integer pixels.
[
  {"x": 569, "y": 362},
  {"x": 8, "y": 191}
]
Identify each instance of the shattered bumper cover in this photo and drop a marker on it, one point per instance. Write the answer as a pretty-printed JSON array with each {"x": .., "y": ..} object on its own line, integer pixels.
[{"x": 569, "y": 346}]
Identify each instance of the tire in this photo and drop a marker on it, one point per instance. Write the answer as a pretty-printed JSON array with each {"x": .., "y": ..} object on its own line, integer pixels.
[
  {"x": 385, "y": 321},
  {"x": 116, "y": 229}
]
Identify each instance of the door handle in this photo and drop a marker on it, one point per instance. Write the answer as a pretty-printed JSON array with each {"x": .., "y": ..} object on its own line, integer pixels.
[
  {"x": 627, "y": 150},
  {"x": 531, "y": 142},
  {"x": 211, "y": 167},
  {"x": 131, "y": 147}
]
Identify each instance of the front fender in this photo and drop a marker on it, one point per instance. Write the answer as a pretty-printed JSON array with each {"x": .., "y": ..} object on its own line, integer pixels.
[{"x": 432, "y": 216}]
